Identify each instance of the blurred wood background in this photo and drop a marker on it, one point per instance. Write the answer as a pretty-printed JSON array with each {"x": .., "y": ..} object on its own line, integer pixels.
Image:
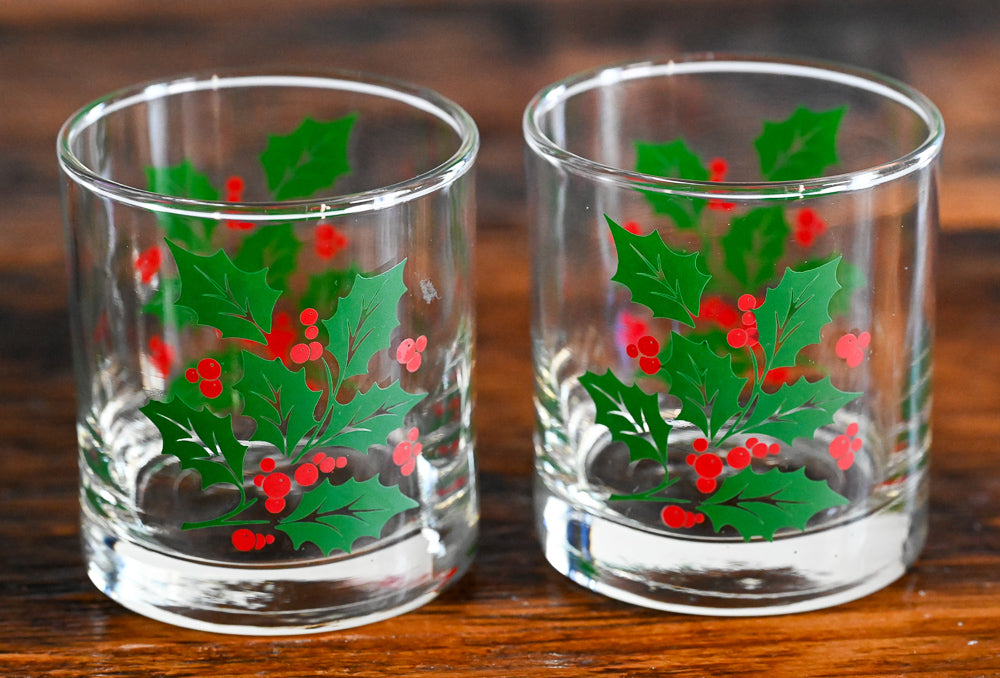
[{"x": 511, "y": 615}]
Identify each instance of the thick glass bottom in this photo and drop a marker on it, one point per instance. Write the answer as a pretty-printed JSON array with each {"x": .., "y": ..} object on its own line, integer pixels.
[
  {"x": 307, "y": 597},
  {"x": 727, "y": 576}
]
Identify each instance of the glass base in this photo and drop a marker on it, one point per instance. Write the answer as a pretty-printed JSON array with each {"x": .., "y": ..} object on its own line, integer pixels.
[
  {"x": 727, "y": 577},
  {"x": 335, "y": 593}
]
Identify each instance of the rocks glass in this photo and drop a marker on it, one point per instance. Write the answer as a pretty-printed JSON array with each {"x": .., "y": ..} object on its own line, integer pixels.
[
  {"x": 733, "y": 315},
  {"x": 272, "y": 320}
]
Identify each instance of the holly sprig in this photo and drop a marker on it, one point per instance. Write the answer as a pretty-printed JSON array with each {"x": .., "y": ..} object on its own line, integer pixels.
[
  {"x": 316, "y": 399},
  {"x": 715, "y": 398}
]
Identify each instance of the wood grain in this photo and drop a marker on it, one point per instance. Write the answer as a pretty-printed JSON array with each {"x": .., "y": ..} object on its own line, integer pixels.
[{"x": 511, "y": 615}]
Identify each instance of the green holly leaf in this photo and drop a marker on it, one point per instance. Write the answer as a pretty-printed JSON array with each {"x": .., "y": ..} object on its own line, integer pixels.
[
  {"x": 850, "y": 277},
  {"x": 364, "y": 320},
  {"x": 632, "y": 416},
  {"x": 235, "y": 302},
  {"x": 309, "y": 159},
  {"x": 333, "y": 517},
  {"x": 273, "y": 247},
  {"x": 278, "y": 400},
  {"x": 796, "y": 410},
  {"x": 754, "y": 245},
  {"x": 668, "y": 282},
  {"x": 369, "y": 417},
  {"x": 673, "y": 160},
  {"x": 801, "y": 147},
  {"x": 201, "y": 441},
  {"x": 705, "y": 383},
  {"x": 184, "y": 181},
  {"x": 760, "y": 504},
  {"x": 794, "y": 312}
]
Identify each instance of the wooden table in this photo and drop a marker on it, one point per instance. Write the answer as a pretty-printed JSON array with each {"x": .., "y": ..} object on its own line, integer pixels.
[{"x": 511, "y": 615}]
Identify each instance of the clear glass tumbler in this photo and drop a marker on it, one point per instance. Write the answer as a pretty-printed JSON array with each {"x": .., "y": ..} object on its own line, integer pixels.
[
  {"x": 272, "y": 321},
  {"x": 732, "y": 329}
]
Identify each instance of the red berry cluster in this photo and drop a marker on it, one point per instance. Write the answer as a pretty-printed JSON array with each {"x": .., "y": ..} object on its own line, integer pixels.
[
  {"x": 247, "y": 540},
  {"x": 405, "y": 454},
  {"x": 851, "y": 347},
  {"x": 808, "y": 227},
  {"x": 148, "y": 264},
  {"x": 675, "y": 516},
  {"x": 234, "y": 193},
  {"x": 709, "y": 466},
  {"x": 329, "y": 241},
  {"x": 843, "y": 447},
  {"x": 207, "y": 373},
  {"x": 276, "y": 485},
  {"x": 646, "y": 350},
  {"x": 322, "y": 463},
  {"x": 303, "y": 352},
  {"x": 409, "y": 351},
  {"x": 739, "y": 337}
]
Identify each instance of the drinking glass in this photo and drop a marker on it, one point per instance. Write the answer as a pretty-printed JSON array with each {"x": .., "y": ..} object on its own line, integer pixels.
[
  {"x": 732, "y": 327},
  {"x": 272, "y": 324}
]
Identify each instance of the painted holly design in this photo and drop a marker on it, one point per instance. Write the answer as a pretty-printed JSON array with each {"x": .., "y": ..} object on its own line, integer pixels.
[
  {"x": 300, "y": 392},
  {"x": 739, "y": 371}
]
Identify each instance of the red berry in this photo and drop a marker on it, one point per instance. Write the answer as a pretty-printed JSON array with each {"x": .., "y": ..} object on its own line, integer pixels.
[
  {"x": 700, "y": 445},
  {"x": 759, "y": 450},
  {"x": 856, "y": 444},
  {"x": 234, "y": 184},
  {"x": 750, "y": 443},
  {"x": 315, "y": 350},
  {"x": 270, "y": 539},
  {"x": 191, "y": 375},
  {"x": 649, "y": 365},
  {"x": 327, "y": 465},
  {"x": 211, "y": 388},
  {"x": 852, "y": 429},
  {"x": 648, "y": 345},
  {"x": 309, "y": 316},
  {"x": 402, "y": 453},
  {"x": 845, "y": 462},
  {"x": 699, "y": 518},
  {"x": 691, "y": 459},
  {"x": 718, "y": 167},
  {"x": 672, "y": 516},
  {"x": 749, "y": 319},
  {"x": 306, "y": 474},
  {"x": 840, "y": 446},
  {"x": 632, "y": 351},
  {"x": 267, "y": 464},
  {"x": 274, "y": 505},
  {"x": 341, "y": 462},
  {"x": 708, "y": 465},
  {"x": 737, "y": 337},
  {"x": 276, "y": 485},
  {"x": 774, "y": 448},
  {"x": 260, "y": 542},
  {"x": 738, "y": 458},
  {"x": 299, "y": 353},
  {"x": 258, "y": 480},
  {"x": 209, "y": 368},
  {"x": 318, "y": 457},
  {"x": 312, "y": 332},
  {"x": 243, "y": 539},
  {"x": 706, "y": 485},
  {"x": 747, "y": 302}
]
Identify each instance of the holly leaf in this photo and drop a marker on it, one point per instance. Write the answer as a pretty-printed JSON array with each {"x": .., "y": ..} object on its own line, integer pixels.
[
  {"x": 184, "y": 181},
  {"x": 801, "y": 147},
  {"x": 235, "y": 302},
  {"x": 309, "y": 159},
  {"x": 333, "y": 517},
  {"x": 273, "y": 247},
  {"x": 794, "y": 312},
  {"x": 754, "y": 245},
  {"x": 673, "y": 160},
  {"x": 365, "y": 319},
  {"x": 201, "y": 441},
  {"x": 632, "y": 416},
  {"x": 278, "y": 400},
  {"x": 796, "y": 410},
  {"x": 704, "y": 381},
  {"x": 369, "y": 417},
  {"x": 669, "y": 283},
  {"x": 162, "y": 305},
  {"x": 760, "y": 504}
]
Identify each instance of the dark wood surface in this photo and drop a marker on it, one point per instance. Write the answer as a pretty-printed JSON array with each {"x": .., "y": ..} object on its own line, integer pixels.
[{"x": 511, "y": 615}]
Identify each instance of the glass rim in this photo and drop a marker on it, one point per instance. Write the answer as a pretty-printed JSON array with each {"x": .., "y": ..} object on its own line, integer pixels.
[
  {"x": 418, "y": 98},
  {"x": 551, "y": 96}
]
